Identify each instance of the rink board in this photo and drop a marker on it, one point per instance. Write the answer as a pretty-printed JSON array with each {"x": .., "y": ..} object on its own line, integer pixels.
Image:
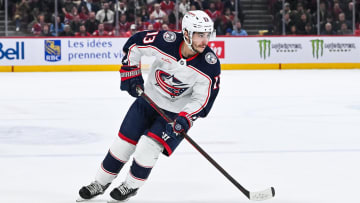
[
  {"x": 234, "y": 53},
  {"x": 66, "y": 68}
]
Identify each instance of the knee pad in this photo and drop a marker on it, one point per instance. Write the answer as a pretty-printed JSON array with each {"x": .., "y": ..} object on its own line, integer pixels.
[
  {"x": 147, "y": 152},
  {"x": 121, "y": 150}
]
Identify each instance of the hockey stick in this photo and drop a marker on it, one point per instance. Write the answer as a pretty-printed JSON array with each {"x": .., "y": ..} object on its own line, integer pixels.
[{"x": 257, "y": 196}]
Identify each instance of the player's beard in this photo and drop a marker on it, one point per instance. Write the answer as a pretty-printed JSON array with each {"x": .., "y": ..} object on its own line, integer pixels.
[{"x": 198, "y": 49}]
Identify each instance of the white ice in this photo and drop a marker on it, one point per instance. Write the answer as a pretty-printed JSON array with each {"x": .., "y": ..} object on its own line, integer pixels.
[{"x": 295, "y": 130}]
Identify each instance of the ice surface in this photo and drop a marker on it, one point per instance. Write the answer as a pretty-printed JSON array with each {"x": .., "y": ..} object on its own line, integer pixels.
[{"x": 296, "y": 130}]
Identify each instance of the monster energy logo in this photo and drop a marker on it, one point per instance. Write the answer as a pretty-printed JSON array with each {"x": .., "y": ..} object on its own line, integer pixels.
[
  {"x": 264, "y": 48},
  {"x": 317, "y": 47}
]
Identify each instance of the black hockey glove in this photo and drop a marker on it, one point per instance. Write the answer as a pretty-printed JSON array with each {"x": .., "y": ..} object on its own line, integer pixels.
[
  {"x": 182, "y": 123},
  {"x": 131, "y": 78}
]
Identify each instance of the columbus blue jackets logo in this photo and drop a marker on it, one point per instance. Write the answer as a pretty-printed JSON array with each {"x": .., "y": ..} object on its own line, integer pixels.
[
  {"x": 170, "y": 84},
  {"x": 169, "y": 36},
  {"x": 210, "y": 58},
  {"x": 52, "y": 50}
]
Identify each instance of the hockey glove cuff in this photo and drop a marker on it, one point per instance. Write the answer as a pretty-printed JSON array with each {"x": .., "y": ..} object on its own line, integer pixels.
[
  {"x": 131, "y": 78},
  {"x": 182, "y": 123}
]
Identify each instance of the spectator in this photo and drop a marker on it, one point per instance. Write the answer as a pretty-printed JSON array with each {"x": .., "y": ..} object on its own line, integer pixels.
[
  {"x": 121, "y": 7},
  {"x": 228, "y": 32},
  {"x": 91, "y": 24},
  {"x": 288, "y": 24},
  {"x": 349, "y": 11},
  {"x": 212, "y": 12},
  {"x": 70, "y": 16},
  {"x": 38, "y": 25},
  {"x": 184, "y": 6},
  {"x": 344, "y": 30},
  {"x": 91, "y": 6},
  {"x": 22, "y": 10},
  {"x": 82, "y": 32},
  {"x": 323, "y": 12},
  {"x": 68, "y": 6},
  {"x": 164, "y": 26},
  {"x": 227, "y": 20},
  {"x": 140, "y": 25},
  {"x": 158, "y": 14},
  {"x": 101, "y": 31},
  {"x": 293, "y": 30},
  {"x": 238, "y": 31},
  {"x": 309, "y": 29},
  {"x": 45, "y": 32},
  {"x": 301, "y": 23},
  {"x": 156, "y": 25},
  {"x": 67, "y": 31},
  {"x": 328, "y": 29},
  {"x": 167, "y": 6},
  {"x": 231, "y": 4},
  {"x": 75, "y": 24},
  {"x": 61, "y": 26},
  {"x": 197, "y": 4},
  {"x": 336, "y": 10},
  {"x": 329, "y": 19},
  {"x": 342, "y": 20},
  {"x": 150, "y": 27},
  {"x": 84, "y": 13},
  {"x": 105, "y": 15},
  {"x": 144, "y": 14},
  {"x": 132, "y": 31},
  {"x": 124, "y": 25}
]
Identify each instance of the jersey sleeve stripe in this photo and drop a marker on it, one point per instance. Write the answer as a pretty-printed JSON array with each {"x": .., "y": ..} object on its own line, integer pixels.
[{"x": 208, "y": 93}]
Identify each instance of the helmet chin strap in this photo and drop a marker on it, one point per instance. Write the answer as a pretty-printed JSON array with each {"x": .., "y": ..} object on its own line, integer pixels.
[{"x": 189, "y": 44}]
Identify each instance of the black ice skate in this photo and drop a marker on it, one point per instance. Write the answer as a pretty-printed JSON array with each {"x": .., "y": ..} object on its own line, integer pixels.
[
  {"x": 92, "y": 190},
  {"x": 123, "y": 193}
]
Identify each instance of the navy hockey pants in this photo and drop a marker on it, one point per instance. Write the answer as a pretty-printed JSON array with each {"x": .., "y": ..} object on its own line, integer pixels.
[{"x": 142, "y": 119}]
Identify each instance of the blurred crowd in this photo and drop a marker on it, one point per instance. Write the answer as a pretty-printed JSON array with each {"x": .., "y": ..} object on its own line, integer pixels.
[
  {"x": 98, "y": 17},
  {"x": 300, "y": 17}
]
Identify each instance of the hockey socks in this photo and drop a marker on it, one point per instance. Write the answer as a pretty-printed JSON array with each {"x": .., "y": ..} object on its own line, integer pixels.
[{"x": 118, "y": 154}]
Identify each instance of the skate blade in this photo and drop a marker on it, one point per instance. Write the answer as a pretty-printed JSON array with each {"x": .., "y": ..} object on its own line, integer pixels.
[{"x": 91, "y": 200}]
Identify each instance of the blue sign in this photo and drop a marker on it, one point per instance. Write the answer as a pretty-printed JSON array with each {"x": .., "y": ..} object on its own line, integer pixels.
[{"x": 52, "y": 50}]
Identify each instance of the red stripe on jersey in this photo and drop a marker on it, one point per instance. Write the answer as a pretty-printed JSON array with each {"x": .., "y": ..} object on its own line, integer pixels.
[{"x": 209, "y": 90}]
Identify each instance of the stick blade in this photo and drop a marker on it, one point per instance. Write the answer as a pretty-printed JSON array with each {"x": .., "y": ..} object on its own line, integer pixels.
[{"x": 262, "y": 195}]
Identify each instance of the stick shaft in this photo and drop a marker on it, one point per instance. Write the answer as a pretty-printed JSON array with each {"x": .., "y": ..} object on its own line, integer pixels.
[{"x": 197, "y": 147}]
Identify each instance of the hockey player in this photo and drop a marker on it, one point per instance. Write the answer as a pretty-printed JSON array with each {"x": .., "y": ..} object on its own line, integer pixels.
[{"x": 183, "y": 81}]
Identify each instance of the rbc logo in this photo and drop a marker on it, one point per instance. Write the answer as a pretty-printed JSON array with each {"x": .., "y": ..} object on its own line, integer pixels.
[{"x": 52, "y": 50}]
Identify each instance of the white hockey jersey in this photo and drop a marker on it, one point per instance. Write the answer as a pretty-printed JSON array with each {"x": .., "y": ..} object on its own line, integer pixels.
[{"x": 174, "y": 83}]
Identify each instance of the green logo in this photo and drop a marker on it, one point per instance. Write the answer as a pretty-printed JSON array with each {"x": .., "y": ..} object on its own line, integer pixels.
[
  {"x": 264, "y": 48},
  {"x": 317, "y": 48}
]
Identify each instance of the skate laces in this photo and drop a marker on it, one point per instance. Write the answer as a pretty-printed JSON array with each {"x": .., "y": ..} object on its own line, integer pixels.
[
  {"x": 95, "y": 188},
  {"x": 124, "y": 189}
]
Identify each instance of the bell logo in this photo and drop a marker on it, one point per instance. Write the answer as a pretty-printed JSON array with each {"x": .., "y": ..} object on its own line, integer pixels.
[
  {"x": 13, "y": 53},
  {"x": 218, "y": 48}
]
